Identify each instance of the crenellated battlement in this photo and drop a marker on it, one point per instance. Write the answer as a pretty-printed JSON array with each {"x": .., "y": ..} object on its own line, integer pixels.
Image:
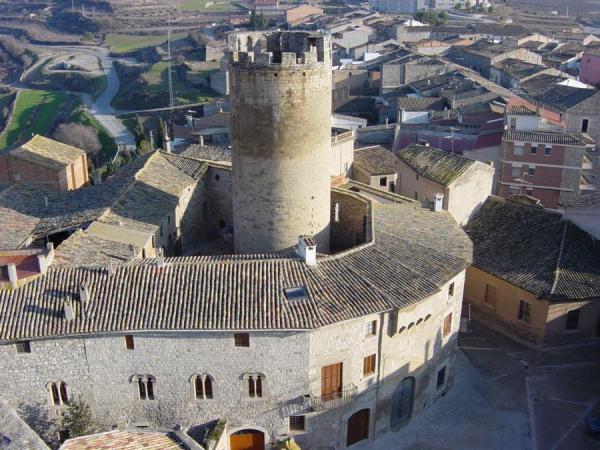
[{"x": 279, "y": 49}]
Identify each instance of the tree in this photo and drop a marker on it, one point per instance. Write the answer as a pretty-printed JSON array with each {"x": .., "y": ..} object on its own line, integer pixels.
[
  {"x": 144, "y": 147},
  {"x": 161, "y": 132},
  {"x": 138, "y": 131},
  {"x": 81, "y": 136},
  {"x": 78, "y": 418},
  {"x": 468, "y": 5},
  {"x": 443, "y": 17}
]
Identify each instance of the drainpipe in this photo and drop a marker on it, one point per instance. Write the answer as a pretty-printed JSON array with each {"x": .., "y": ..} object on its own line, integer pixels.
[{"x": 379, "y": 374}]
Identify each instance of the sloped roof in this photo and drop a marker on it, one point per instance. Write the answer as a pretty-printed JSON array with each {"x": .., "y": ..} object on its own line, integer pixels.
[
  {"x": 536, "y": 250},
  {"x": 421, "y": 103},
  {"x": 437, "y": 165},
  {"x": 549, "y": 137},
  {"x": 15, "y": 434},
  {"x": 47, "y": 152},
  {"x": 208, "y": 152},
  {"x": 413, "y": 253},
  {"x": 124, "y": 440},
  {"x": 376, "y": 160}
]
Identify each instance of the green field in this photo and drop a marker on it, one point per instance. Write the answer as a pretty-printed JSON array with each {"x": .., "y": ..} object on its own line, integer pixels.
[
  {"x": 34, "y": 112},
  {"x": 125, "y": 43},
  {"x": 209, "y": 5}
]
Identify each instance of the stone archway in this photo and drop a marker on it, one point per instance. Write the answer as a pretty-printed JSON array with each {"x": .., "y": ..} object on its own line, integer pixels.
[{"x": 247, "y": 439}]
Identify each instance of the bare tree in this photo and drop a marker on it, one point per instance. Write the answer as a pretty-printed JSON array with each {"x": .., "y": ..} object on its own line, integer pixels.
[{"x": 80, "y": 136}]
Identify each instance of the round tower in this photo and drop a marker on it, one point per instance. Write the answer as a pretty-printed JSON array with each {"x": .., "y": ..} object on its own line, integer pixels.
[{"x": 280, "y": 90}]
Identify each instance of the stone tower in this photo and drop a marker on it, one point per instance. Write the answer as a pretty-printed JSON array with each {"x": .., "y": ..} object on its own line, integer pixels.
[{"x": 281, "y": 139}]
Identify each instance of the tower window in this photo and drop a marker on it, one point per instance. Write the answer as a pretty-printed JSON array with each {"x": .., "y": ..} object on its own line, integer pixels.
[
  {"x": 254, "y": 385},
  {"x": 203, "y": 386},
  {"x": 58, "y": 393}
]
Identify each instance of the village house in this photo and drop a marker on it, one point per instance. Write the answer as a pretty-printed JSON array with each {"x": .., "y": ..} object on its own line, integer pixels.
[
  {"x": 535, "y": 274},
  {"x": 431, "y": 175}
]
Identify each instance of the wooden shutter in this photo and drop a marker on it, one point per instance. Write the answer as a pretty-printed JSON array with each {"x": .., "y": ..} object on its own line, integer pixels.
[
  {"x": 358, "y": 427},
  {"x": 331, "y": 381},
  {"x": 447, "y": 324}
]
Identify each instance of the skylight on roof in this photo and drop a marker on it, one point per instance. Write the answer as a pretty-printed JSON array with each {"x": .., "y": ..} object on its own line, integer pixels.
[{"x": 296, "y": 293}]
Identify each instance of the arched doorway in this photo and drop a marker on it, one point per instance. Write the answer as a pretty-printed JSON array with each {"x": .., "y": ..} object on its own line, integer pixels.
[
  {"x": 358, "y": 427},
  {"x": 247, "y": 440},
  {"x": 402, "y": 402}
]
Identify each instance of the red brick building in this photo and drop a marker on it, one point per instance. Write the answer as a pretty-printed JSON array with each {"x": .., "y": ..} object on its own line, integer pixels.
[{"x": 47, "y": 163}]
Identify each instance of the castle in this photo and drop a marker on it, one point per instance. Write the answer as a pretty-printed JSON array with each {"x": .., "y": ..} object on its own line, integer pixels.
[{"x": 334, "y": 320}]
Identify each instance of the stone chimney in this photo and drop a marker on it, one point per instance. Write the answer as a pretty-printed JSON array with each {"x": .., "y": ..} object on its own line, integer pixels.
[
  {"x": 84, "y": 294},
  {"x": 12, "y": 275},
  {"x": 167, "y": 144},
  {"x": 307, "y": 250},
  {"x": 68, "y": 310}
]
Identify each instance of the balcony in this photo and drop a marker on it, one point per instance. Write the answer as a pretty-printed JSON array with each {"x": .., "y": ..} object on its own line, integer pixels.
[{"x": 334, "y": 399}]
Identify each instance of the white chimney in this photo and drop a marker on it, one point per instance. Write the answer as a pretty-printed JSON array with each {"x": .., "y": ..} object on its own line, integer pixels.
[
  {"x": 167, "y": 144},
  {"x": 307, "y": 249},
  {"x": 160, "y": 261},
  {"x": 12, "y": 275},
  {"x": 438, "y": 202},
  {"x": 68, "y": 310},
  {"x": 84, "y": 294}
]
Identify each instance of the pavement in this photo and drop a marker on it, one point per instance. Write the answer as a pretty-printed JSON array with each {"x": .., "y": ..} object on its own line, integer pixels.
[{"x": 508, "y": 396}]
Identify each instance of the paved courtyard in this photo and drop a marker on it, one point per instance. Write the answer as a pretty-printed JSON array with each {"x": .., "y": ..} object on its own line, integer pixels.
[{"x": 508, "y": 397}]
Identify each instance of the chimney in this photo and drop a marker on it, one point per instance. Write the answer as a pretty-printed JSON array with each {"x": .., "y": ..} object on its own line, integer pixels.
[
  {"x": 68, "y": 310},
  {"x": 160, "y": 261},
  {"x": 12, "y": 275},
  {"x": 438, "y": 202},
  {"x": 84, "y": 294},
  {"x": 201, "y": 140},
  {"x": 307, "y": 250},
  {"x": 167, "y": 144}
]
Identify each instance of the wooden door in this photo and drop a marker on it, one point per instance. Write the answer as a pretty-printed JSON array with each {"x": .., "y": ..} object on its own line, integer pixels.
[
  {"x": 358, "y": 427},
  {"x": 331, "y": 381},
  {"x": 247, "y": 440}
]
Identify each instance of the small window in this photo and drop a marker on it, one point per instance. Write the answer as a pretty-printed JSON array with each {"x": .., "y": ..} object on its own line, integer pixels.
[
  {"x": 518, "y": 150},
  {"x": 369, "y": 365},
  {"x": 371, "y": 328},
  {"x": 531, "y": 170},
  {"x": 203, "y": 387},
  {"x": 451, "y": 290},
  {"x": 490, "y": 295},
  {"x": 548, "y": 151},
  {"x": 295, "y": 293},
  {"x": 297, "y": 423},
  {"x": 447, "y": 325},
  {"x": 516, "y": 172},
  {"x": 524, "y": 311},
  {"x": 129, "y": 344},
  {"x": 533, "y": 149},
  {"x": 572, "y": 320},
  {"x": 217, "y": 177},
  {"x": 241, "y": 339},
  {"x": 23, "y": 347},
  {"x": 584, "y": 125},
  {"x": 441, "y": 378},
  {"x": 383, "y": 182},
  {"x": 255, "y": 385},
  {"x": 58, "y": 393}
]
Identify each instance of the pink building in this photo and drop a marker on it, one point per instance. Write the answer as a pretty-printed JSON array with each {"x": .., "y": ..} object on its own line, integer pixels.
[{"x": 590, "y": 67}]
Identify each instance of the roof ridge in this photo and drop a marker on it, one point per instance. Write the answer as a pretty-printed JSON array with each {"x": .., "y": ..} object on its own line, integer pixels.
[{"x": 556, "y": 273}]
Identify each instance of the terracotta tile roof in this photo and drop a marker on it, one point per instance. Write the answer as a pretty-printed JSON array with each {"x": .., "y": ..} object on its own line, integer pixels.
[
  {"x": 47, "y": 152},
  {"x": 124, "y": 440},
  {"x": 536, "y": 250},
  {"x": 208, "y": 152},
  {"x": 412, "y": 254},
  {"x": 520, "y": 110},
  {"x": 436, "y": 165},
  {"x": 376, "y": 160},
  {"x": 548, "y": 137}
]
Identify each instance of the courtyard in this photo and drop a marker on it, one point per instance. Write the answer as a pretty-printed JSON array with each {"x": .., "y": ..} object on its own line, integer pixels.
[{"x": 507, "y": 396}]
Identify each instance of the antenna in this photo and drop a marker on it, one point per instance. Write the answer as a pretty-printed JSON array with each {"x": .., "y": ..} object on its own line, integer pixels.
[{"x": 171, "y": 101}]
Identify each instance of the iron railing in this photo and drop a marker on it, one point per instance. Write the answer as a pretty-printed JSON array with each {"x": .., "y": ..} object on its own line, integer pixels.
[{"x": 333, "y": 400}]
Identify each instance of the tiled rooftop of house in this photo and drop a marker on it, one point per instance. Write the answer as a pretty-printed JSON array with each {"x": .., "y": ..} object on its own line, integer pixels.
[
  {"x": 436, "y": 165},
  {"x": 536, "y": 250},
  {"x": 412, "y": 253},
  {"x": 21, "y": 209},
  {"x": 520, "y": 110},
  {"x": 376, "y": 160},
  {"x": 124, "y": 440},
  {"x": 47, "y": 152},
  {"x": 208, "y": 152},
  {"x": 549, "y": 137},
  {"x": 15, "y": 434}
]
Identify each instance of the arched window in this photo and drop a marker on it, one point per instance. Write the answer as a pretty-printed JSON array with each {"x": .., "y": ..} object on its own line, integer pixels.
[
  {"x": 254, "y": 385},
  {"x": 144, "y": 386},
  {"x": 58, "y": 393},
  {"x": 203, "y": 386}
]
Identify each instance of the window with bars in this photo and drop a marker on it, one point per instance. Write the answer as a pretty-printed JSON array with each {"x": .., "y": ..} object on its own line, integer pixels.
[
  {"x": 369, "y": 365},
  {"x": 58, "y": 393},
  {"x": 203, "y": 386},
  {"x": 145, "y": 386},
  {"x": 371, "y": 328},
  {"x": 241, "y": 339},
  {"x": 447, "y": 325},
  {"x": 524, "y": 311},
  {"x": 23, "y": 347},
  {"x": 129, "y": 344},
  {"x": 297, "y": 423},
  {"x": 548, "y": 151}
]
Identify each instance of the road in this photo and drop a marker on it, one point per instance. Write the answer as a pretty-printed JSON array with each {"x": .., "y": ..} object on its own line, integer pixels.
[
  {"x": 506, "y": 396},
  {"x": 101, "y": 108}
]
